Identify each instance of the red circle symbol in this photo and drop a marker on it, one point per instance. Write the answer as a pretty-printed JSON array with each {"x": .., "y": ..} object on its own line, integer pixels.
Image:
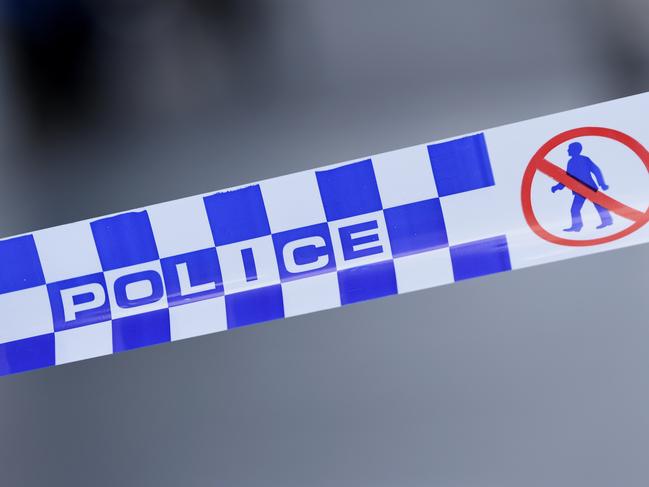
[{"x": 541, "y": 164}]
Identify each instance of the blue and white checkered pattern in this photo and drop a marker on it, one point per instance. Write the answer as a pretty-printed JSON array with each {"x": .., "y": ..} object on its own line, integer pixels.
[{"x": 283, "y": 247}]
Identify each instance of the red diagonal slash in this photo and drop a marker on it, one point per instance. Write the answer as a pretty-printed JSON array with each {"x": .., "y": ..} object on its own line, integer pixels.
[{"x": 611, "y": 204}]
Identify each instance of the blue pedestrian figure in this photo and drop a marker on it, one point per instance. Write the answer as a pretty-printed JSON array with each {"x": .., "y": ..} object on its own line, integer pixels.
[{"x": 583, "y": 169}]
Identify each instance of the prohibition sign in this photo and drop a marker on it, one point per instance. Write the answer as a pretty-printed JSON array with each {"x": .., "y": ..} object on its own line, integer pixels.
[{"x": 539, "y": 162}]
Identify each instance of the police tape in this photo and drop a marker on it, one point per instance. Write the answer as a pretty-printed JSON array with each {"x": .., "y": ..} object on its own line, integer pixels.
[{"x": 543, "y": 190}]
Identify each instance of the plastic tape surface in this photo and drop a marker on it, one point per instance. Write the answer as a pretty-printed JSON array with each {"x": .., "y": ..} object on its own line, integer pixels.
[{"x": 543, "y": 190}]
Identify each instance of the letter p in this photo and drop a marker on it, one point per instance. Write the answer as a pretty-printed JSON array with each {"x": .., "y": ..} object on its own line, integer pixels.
[{"x": 79, "y": 302}]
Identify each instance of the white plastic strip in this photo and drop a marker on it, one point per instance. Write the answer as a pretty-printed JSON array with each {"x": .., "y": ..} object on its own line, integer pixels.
[{"x": 538, "y": 191}]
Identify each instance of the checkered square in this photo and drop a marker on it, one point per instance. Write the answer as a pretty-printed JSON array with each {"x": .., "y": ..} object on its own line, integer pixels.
[
  {"x": 67, "y": 252},
  {"x": 461, "y": 165},
  {"x": 20, "y": 264},
  {"x": 311, "y": 294},
  {"x": 25, "y": 313},
  {"x": 473, "y": 215},
  {"x": 480, "y": 258},
  {"x": 255, "y": 306},
  {"x": 423, "y": 270},
  {"x": 141, "y": 330},
  {"x": 293, "y": 201},
  {"x": 180, "y": 227},
  {"x": 124, "y": 240},
  {"x": 27, "y": 354},
  {"x": 237, "y": 215},
  {"x": 349, "y": 190},
  {"x": 367, "y": 282},
  {"x": 404, "y": 176},
  {"x": 416, "y": 227},
  {"x": 198, "y": 318},
  {"x": 83, "y": 343}
]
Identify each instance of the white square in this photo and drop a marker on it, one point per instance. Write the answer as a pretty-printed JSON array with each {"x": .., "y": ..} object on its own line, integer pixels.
[
  {"x": 381, "y": 243},
  {"x": 135, "y": 290},
  {"x": 233, "y": 268},
  {"x": 404, "y": 176},
  {"x": 311, "y": 294},
  {"x": 198, "y": 318},
  {"x": 475, "y": 215},
  {"x": 180, "y": 226},
  {"x": 293, "y": 201},
  {"x": 83, "y": 342},
  {"x": 25, "y": 314},
  {"x": 67, "y": 251},
  {"x": 425, "y": 270}
]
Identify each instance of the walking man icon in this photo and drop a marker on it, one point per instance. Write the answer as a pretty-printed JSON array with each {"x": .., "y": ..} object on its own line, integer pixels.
[{"x": 583, "y": 169}]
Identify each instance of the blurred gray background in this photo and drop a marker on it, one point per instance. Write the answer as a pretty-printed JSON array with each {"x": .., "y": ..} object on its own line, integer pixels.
[{"x": 507, "y": 380}]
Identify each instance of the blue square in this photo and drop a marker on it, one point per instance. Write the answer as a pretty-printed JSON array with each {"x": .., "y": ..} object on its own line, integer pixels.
[
  {"x": 304, "y": 252},
  {"x": 256, "y": 306},
  {"x": 86, "y": 301},
  {"x": 416, "y": 227},
  {"x": 192, "y": 277},
  {"x": 28, "y": 354},
  {"x": 141, "y": 330},
  {"x": 20, "y": 267},
  {"x": 480, "y": 258},
  {"x": 367, "y": 282},
  {"x": 461, "y": 165},
  {"x": 349, "y": 190},
  {"x": 124, "y": 240},
  {"x": 237, "y": 215}
]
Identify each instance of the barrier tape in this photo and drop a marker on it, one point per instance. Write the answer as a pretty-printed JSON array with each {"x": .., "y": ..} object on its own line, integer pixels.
[{"x": 524, "y": 194}]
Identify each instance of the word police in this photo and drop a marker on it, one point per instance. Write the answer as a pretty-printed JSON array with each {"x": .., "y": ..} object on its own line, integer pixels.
[{"x": 217, "y": 271}]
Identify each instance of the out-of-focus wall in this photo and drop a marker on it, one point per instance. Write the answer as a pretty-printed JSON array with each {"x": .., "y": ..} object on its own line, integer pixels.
[{"x": 95, "y": 90}]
